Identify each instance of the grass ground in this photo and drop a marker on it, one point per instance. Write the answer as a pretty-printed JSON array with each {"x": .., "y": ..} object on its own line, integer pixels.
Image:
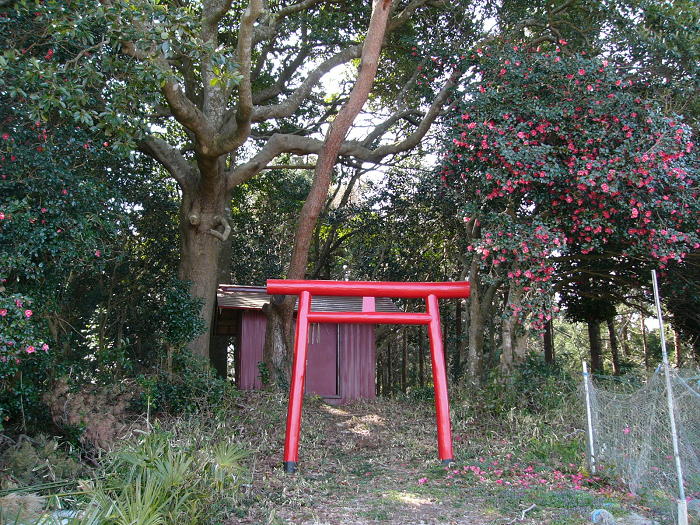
[{"x": 376, "y": 462}]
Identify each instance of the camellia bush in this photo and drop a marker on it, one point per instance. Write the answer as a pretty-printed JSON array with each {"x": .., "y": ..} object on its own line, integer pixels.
[
  {"x": 558, "y": 158},
  {"x": 21, "y": 342},
  {"x": 86, "y": 288}
]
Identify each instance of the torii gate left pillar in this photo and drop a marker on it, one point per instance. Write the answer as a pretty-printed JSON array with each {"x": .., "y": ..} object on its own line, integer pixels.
[{"x": 431, "y": 292}]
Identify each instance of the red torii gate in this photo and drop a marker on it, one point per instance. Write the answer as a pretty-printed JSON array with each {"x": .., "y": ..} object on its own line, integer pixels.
[{"x": 368, "y": 290}]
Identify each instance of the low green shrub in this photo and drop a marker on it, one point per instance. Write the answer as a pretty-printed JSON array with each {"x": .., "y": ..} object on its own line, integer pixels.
[
  {"x": 533, "y": 387},
  {"x": 192, "y": 385}
]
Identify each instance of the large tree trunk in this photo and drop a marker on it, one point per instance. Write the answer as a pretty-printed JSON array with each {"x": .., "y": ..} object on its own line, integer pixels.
[
  {"x": 204, "y": 228},
  {"x": 594, "y": 342},
  {"x": 218, "y": 349}
]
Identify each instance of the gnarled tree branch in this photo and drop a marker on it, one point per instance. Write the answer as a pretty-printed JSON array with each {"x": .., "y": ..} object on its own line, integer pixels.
[{"x": 171, "y": 159}]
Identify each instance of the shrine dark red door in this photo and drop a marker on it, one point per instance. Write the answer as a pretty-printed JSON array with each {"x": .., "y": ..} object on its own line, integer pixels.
[{"x": 322, "y": 362}]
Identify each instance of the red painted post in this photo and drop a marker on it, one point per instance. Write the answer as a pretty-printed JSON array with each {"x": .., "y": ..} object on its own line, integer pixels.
[
  {"x": 296, "y": 389},
  {"x": 442, "y": 408}
]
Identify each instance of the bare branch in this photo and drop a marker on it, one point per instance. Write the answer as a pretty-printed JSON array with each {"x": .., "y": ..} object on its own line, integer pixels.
[
  {"x": 335, "y": 137},
  {"x": 296, "y": 8},
  {"x": 243, "y": 52},
  {"x": 235, "y": 131},
  {"x": 292, "y": 103},
  {"x": 189, "y": 115},
  {"x": 171, "y": 159},
  {"x": 268, "y": 30},
  {"x": 84, "y": 52},
  {"x": 285, "y": 143},
  {"x": 284, "y": 76},
  {"x": 278, "y": 143},
  {"x": 414, "y": 138}
]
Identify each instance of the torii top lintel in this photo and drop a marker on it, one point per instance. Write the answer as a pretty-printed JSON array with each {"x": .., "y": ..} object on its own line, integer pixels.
[{"x": 404, "y": 290}]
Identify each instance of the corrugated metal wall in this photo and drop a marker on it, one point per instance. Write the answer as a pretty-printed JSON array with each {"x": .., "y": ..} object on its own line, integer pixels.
[
  {"x": 251, "y": 350},
  {"x": 357, "y": 361}
]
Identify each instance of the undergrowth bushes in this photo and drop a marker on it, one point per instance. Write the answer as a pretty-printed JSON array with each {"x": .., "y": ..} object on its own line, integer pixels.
[
  {"x": 537, "y": 407},
  {"x": 186, "y": 474}
]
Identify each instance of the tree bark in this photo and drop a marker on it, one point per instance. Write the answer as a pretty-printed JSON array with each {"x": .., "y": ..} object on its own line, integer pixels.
[
  {"x": 510, "y": 354},
  {"x": 677, "y": 348},
  {"x": 204, "y": 227},
  {"x": 594, "y": 342},
  {"x": 476, "y": 328},
  {"x": 324, "y": 167},
  {"x": 549, "y": 343},
  {"x": 625, "y": 335},
  {"x": 614, "y": 347}
]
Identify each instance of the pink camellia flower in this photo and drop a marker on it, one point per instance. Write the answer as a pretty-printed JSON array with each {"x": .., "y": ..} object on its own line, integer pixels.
[
  {"x": 3, "y": 312},
  {"x": 28, "y": 313},
  {"x": 31, "y": 349},
  {"x": 2, "y": 216},
  {"x": 98, "y": 253},
  {"x": 45, "y": 347},
  {"x": 422, "y": 481},
  {"x": 6, "y": 136},
  {"x": 581, "y": 71}
]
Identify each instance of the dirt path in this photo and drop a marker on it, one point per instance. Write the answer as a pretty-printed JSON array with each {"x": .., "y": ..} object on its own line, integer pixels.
[{"x": 377, "y": 463}]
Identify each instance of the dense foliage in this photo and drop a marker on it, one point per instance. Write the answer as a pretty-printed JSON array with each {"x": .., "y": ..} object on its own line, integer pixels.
[{"x": 559, "y": 158}]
